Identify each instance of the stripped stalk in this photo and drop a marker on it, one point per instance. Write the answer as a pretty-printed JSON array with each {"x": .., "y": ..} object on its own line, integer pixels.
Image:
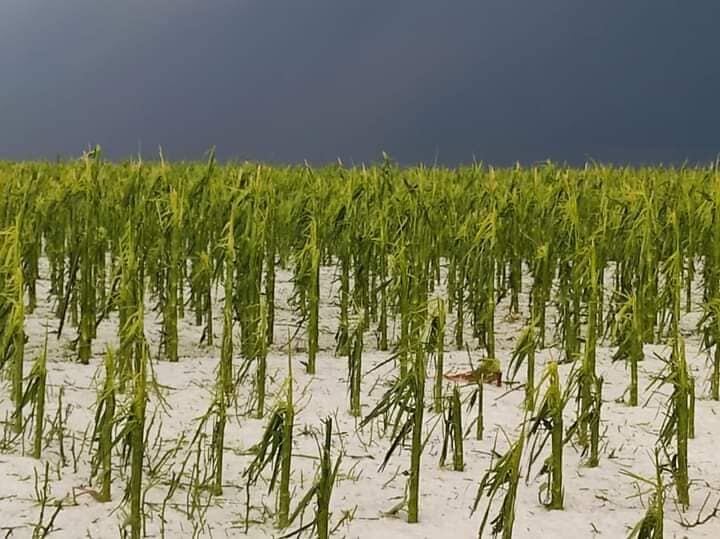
[
  {"x": 453, "y": 431},
  {"x": 104, "y": 421}
]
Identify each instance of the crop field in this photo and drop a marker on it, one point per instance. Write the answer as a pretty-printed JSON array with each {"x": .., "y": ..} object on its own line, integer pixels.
[{"x": 198, "y": 349}]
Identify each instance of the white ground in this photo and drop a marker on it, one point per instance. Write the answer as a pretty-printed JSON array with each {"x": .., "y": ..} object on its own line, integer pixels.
[{"x": 599, "y": 502}]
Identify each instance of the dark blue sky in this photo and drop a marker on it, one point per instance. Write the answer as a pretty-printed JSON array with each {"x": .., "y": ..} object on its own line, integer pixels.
[{"x": 285, "y": 80}]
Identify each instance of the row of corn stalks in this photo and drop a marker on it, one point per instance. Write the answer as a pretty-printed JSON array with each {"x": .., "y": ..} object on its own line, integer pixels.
[{"x": 422, "y": 257}]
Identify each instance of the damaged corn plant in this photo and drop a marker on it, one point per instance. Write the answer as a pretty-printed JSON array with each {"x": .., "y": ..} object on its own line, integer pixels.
[{"x": 151, "y": 292}]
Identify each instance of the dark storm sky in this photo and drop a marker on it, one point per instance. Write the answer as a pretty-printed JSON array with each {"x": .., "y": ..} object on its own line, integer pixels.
[{"x": 496, "y": 80}]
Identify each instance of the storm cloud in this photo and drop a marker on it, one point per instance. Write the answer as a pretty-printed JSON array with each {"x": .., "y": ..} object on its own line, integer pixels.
[{"x": 283, "y": 81}]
